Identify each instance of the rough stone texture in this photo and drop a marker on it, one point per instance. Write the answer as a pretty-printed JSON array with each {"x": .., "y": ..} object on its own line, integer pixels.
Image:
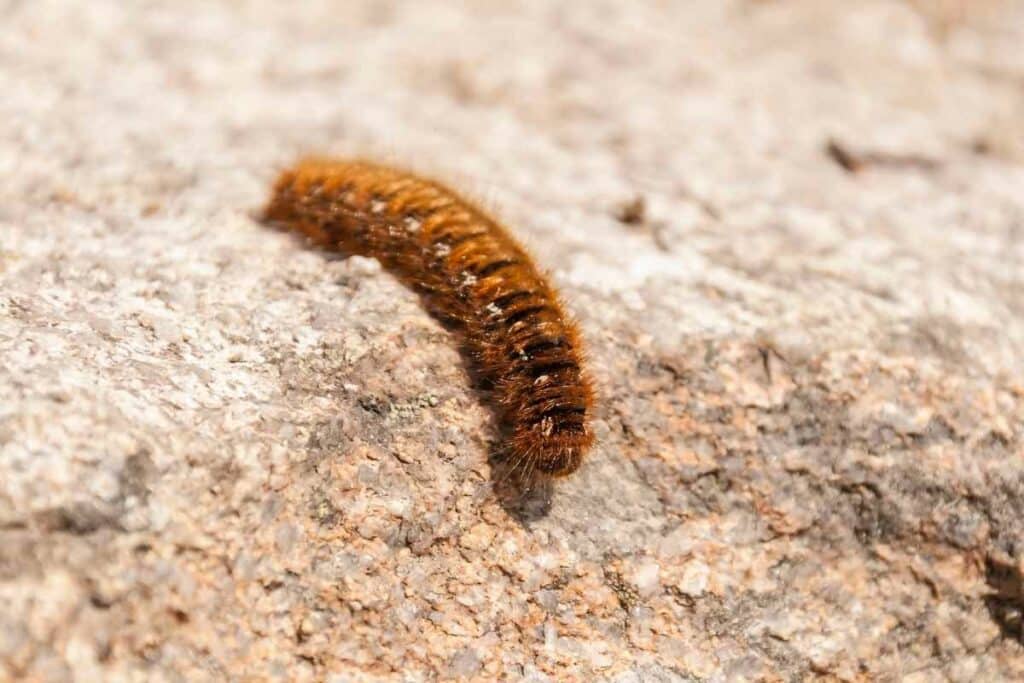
[{"x": 226, "y": 457}]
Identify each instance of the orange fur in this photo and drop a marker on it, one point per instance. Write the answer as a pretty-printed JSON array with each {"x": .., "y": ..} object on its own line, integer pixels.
[{"x": 471, "y": 273}]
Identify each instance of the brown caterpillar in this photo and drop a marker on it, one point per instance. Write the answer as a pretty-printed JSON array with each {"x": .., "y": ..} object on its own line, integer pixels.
[{"x": 472, "y": 275}]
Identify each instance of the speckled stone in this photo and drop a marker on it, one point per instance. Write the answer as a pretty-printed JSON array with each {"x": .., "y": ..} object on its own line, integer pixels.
[{"x": 224, "y": 456}]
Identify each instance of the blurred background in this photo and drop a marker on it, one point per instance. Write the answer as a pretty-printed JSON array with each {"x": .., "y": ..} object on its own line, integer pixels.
[{"x": 791, "y": 231}]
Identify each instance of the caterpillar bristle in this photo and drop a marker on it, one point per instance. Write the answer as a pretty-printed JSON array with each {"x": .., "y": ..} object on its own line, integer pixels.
[{"x": 474, "y": 276}]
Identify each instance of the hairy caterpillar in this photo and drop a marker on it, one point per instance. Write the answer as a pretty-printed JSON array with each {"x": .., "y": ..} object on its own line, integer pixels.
[{"x": 472, "y": 275}]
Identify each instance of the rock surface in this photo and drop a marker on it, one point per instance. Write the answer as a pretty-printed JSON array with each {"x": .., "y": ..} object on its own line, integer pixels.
[{"x": 224, "y": 456}]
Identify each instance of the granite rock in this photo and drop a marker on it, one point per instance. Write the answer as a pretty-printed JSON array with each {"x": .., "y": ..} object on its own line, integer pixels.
[{"x": 791, "y": 232}]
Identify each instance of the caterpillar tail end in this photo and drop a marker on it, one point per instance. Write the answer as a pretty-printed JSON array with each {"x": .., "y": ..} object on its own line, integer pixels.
[{"x": 552, "y": 455}]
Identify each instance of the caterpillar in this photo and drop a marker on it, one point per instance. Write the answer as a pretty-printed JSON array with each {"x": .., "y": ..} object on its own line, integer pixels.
[{"x": 473, "y": 276}]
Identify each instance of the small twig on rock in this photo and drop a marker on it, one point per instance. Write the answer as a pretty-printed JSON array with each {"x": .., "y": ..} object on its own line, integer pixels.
[{"x": 854, "y": 162}]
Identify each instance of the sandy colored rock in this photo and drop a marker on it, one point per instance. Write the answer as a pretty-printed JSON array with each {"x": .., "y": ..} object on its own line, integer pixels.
[{"x": 224, "y": 456}]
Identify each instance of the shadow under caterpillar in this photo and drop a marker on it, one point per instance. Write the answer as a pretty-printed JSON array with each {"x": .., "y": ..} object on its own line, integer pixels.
[{"x": 473, "y": 276}]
